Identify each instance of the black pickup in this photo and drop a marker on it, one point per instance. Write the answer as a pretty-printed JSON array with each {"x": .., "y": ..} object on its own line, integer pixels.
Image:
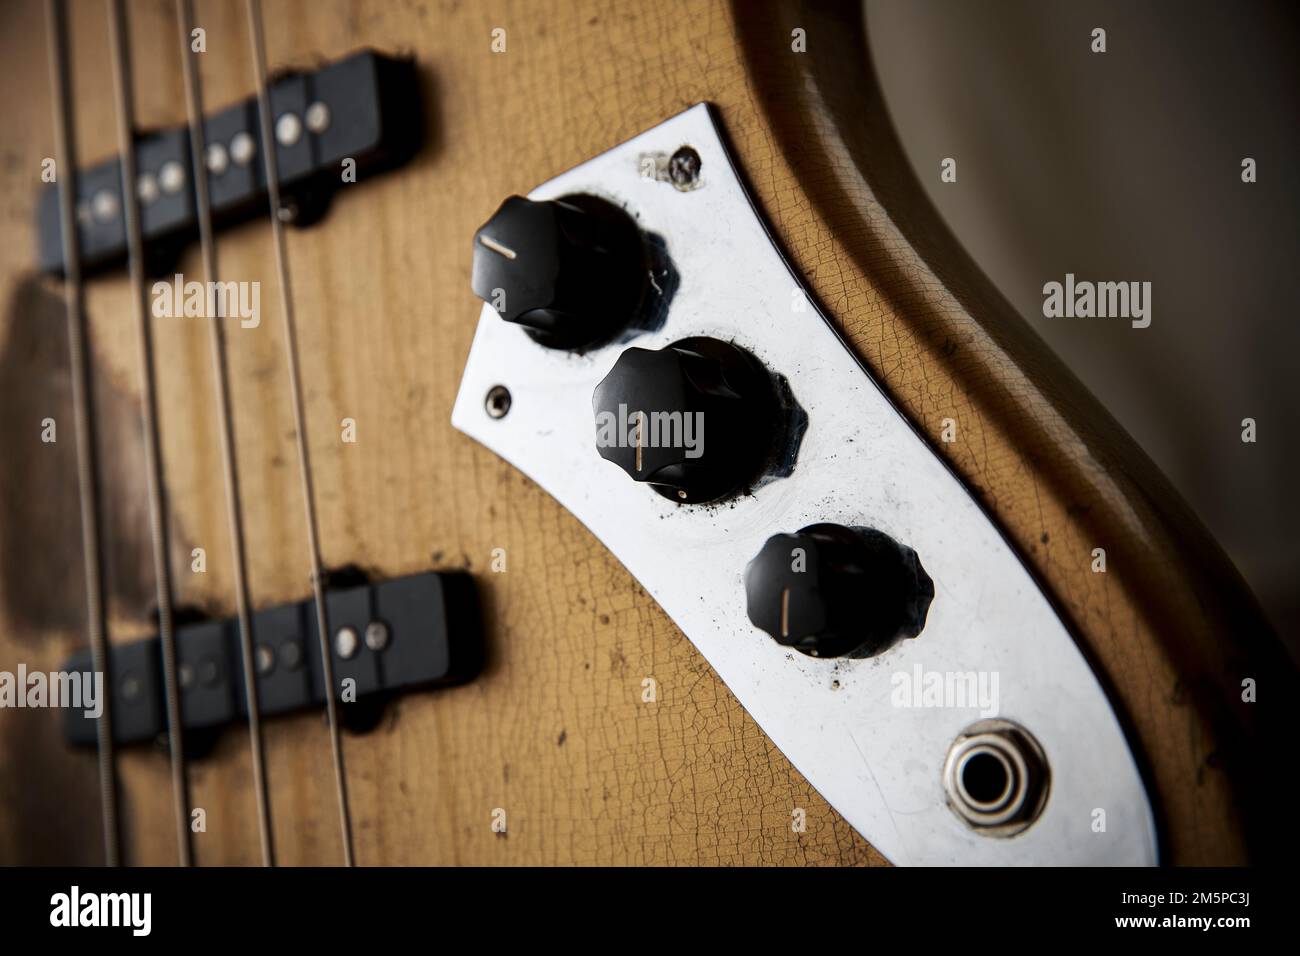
[
  {"x": 430, "y": 638},
  {"x": 371, "y": 114}
]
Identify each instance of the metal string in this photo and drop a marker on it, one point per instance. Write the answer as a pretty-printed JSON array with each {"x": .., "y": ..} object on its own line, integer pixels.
[
  {"x": 291, "y": 341},
  {"x": 87, "y": 470},
  {"x": 122, "y": 89},
  {"x": 203, "y": 204}
]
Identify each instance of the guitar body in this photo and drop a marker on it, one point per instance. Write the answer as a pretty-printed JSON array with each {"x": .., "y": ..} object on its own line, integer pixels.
[{"x": 555, "y": 731}]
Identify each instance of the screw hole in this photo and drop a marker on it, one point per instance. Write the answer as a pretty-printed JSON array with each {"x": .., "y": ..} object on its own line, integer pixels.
[{"x": 498, "y": 401}]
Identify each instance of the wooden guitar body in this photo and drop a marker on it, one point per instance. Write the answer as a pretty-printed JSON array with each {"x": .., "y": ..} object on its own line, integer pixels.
[{"x": 555, "y": 731}]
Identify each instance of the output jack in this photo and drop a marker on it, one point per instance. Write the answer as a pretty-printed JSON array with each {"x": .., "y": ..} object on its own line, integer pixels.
[{"x": 996, "y": 778}]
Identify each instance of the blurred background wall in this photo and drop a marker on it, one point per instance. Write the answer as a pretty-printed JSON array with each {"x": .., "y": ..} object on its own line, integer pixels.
[{"x": 1126, "y": 166}]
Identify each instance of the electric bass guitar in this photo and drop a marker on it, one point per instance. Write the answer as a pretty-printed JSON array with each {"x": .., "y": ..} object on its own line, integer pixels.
[{"x": 564, "y": 433}]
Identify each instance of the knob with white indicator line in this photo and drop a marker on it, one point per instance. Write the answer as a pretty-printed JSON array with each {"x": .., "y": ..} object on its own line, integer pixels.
[
  {"x": 834, "y": 591},
  {"x": 572, "y": 271},
  {"x": 694, "y": 420}
]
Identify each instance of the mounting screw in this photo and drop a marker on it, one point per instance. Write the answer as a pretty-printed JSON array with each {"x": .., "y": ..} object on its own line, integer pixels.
[
  {"x": 498, "y": 401},
  {"x": 265, "y": 659},
  {"x": 684, "y": 168},
  {"x": 346, "y": 642},
  {"x": 376, "y": 635}
]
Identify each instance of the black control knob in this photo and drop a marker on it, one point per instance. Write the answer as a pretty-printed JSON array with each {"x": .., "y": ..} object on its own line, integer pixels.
[
  {"x": 571, "y": 270},
  {"x": 831, "y": 591},
  {"x": 695, "y": 420}
]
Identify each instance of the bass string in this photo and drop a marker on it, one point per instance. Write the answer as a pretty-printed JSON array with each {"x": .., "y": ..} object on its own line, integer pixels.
[
  {"x": 258, "y": 44},
  {"x": 84, "y": 423},
  {"x": 83, "y": 416},
  {"x": 220, "y": 373},
  {"x": 119, "y": 45}
]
